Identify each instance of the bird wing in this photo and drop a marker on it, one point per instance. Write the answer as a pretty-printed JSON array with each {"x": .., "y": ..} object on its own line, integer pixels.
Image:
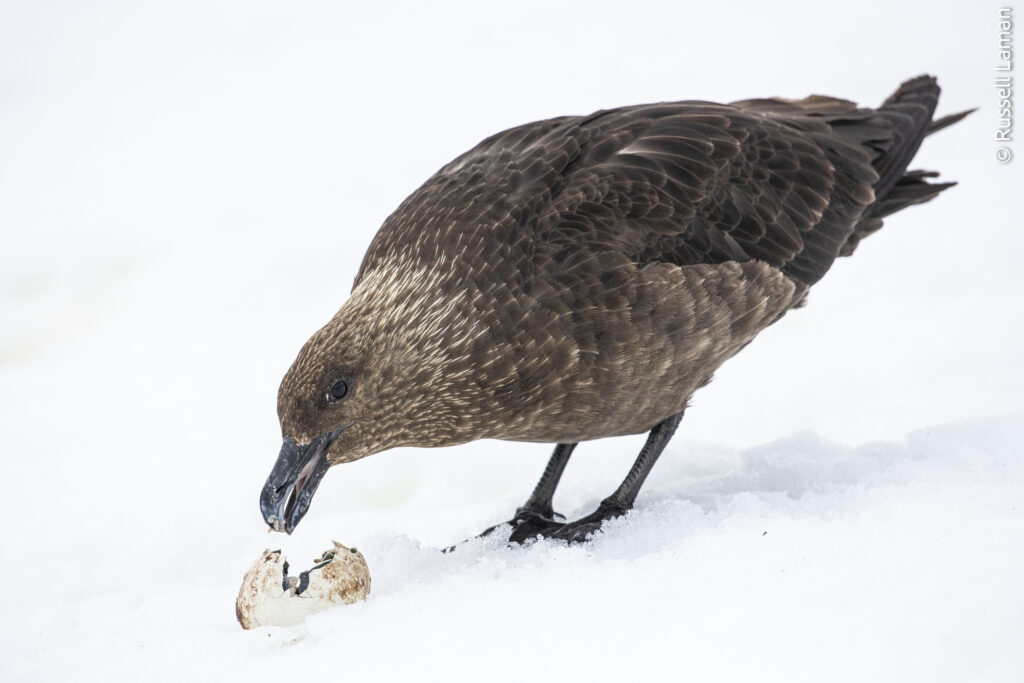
[
  {"x": 694, "y": 183},
  {"x": 784, "y": 182}
]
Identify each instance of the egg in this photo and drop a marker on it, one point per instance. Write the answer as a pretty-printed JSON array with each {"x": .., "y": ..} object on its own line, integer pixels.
[{"x": 270, "y": 597}]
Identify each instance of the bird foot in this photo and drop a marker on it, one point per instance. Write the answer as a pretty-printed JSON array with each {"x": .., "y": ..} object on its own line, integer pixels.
[
  {"x": 526, "y": 525},
  {"x": 580, "y": 530}
]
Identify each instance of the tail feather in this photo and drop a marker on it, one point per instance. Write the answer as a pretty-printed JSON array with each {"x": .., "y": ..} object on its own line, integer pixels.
[
  {"x": 949, "y": 120},
  {"x": 909, "y": 112}
]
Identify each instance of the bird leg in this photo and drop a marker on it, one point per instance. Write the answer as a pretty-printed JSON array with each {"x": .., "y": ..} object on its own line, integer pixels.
[
  {"x": 622, "y": 500},
  {"x": 536, "y": 517},
  {"x": 537, "y": 514}
]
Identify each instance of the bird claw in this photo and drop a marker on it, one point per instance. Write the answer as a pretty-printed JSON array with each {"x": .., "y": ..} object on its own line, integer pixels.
[
  {"x": 526, "y": 526},
  {"x": 582, "y": 529},
  {"x": 529, "y": 524}
]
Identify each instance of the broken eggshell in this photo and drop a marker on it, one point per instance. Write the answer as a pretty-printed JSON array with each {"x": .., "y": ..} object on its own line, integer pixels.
[{"x": 270, "y": 597}]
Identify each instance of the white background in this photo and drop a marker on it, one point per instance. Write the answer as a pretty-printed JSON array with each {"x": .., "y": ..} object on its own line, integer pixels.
[{"x": 186, "y": 191}]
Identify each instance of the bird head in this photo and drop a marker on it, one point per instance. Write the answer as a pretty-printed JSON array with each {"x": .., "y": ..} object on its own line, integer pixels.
[{"x": 396, "y": 366}]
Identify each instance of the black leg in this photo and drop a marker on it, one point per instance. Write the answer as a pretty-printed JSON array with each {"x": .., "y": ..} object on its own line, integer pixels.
[
  {"x": 541, "y": 499},
  {"x": 537, "y": 514},
  {"x": 622, "y": 500}
]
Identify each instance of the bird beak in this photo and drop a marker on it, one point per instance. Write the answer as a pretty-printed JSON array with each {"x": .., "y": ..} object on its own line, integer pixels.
[{"x": 293, "y": 481}]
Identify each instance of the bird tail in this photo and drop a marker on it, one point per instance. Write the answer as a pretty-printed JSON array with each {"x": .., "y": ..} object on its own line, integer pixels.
[{"x": 908, "y": 114}]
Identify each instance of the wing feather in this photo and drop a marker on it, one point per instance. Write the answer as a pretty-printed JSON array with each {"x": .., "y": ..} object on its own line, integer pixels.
[{"x": 685, "y": 183}]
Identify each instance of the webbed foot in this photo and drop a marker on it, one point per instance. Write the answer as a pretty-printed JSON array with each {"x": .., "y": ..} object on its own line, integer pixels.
[
  {"x": 580, "y": 530},
  {"x": 526, "y": 525}
]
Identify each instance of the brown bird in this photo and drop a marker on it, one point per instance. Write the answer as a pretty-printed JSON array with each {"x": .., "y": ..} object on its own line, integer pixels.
[{"x": 580, "y": 277}]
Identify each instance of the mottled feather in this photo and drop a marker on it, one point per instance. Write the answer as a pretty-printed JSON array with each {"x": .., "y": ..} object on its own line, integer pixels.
[{"x": 582, "y": 276}]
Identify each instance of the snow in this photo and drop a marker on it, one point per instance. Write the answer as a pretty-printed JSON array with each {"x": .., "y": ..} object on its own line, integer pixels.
[
  {"x": 795, "y": 560},
  {"x": 185, "y": 193}
]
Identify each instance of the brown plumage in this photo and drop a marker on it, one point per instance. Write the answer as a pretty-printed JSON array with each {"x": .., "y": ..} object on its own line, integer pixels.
[{"x": 581, "y": 277}]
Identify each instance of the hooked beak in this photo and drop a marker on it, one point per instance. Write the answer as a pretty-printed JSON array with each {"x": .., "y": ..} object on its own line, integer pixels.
[{"x": 293, "y": 481}]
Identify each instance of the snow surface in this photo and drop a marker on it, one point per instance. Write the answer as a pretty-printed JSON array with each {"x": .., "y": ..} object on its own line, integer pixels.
[{"x": 186, "y": 190}]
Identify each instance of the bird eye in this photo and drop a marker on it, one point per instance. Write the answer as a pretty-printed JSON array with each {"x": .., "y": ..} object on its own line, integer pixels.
[{"x": 337, "y": 391}]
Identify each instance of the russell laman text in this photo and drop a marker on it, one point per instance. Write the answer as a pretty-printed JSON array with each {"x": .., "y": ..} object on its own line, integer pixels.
[{"x": 1004, "y": 76}]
